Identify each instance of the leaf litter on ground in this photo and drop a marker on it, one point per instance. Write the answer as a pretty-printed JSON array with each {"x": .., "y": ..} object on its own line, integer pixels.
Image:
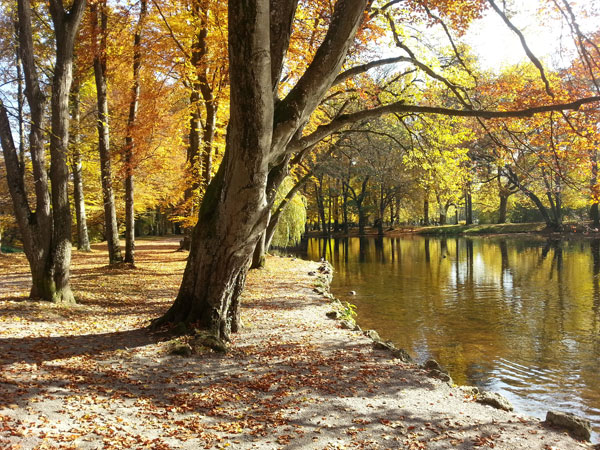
[{"x": 92, "y": 376}]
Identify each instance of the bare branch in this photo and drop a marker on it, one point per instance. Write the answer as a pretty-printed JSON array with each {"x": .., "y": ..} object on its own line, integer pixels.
[
  {"x": 368, "y": 66},
  {"x": 528, "y": 51}
]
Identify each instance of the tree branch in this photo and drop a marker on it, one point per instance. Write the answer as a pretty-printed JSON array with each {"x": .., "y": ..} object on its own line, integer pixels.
[
  {"x": 399, "y": 107},
  {"x": 365, "y": 67},
  {"x": 528, "y": 51}
]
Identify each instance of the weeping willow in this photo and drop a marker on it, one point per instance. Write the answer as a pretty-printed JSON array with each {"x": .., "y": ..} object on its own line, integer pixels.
[{"x": 291, "y": 222}]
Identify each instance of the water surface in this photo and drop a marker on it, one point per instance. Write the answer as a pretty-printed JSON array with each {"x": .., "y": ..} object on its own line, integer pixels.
[{"x": 519, "y": 316}]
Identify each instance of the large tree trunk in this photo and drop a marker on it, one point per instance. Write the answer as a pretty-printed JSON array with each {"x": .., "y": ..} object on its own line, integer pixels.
[
  {"x": 129, "y": 140},
  {"x": 83, "y": 241},
  {"x": 236, "y": 205},
  {"x": 99, "y": 36},
  {"x": 46, "y": 236},
  {"x": 235, "y": 210}
]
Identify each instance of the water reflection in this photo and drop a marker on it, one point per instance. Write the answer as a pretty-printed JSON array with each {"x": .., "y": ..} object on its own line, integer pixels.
[{"x": 519, "y": 316}]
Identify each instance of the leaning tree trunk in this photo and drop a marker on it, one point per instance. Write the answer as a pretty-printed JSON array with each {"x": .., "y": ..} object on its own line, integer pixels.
[
  {"x": 236, "y": 205},
  {"x": 110, "y": 217},
  {"x": 234, "y": 210}
]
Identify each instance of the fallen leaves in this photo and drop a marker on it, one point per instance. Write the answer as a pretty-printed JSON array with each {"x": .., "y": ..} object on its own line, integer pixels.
[{"x": 92, "y": 377}]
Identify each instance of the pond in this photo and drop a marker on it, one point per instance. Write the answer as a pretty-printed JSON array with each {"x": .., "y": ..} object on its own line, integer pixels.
[{"x": 518, "y": 316}]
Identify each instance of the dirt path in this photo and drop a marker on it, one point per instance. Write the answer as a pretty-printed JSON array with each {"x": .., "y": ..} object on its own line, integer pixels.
[{"x": 91, "y": 377}]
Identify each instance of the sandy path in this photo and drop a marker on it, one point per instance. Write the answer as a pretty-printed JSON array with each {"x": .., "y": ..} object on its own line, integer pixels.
[{"x": 293, "y": 378}]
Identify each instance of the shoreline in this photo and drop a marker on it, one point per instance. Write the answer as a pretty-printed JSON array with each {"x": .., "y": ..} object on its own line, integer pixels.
[
  {"x": 90, "y": 377},
  {"x": 581, "y": 230}
]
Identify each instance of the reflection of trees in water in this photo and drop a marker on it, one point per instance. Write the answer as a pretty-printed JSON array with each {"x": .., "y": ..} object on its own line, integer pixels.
[
  {"x": 468, "y": 325},
  {"x": 379, "y": 253},
  {"x": 363, "y": 249},
  {"x": 470, "y": 253}
]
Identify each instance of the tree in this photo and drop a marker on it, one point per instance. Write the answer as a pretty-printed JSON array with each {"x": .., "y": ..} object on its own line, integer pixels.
[
  {"x": 237, "y": 202},
  {"x": 46, "y": 229},
  {"x": 83, "y": 240},
  {"x": 129, "y": 139},
  {"x": 290, "y": 212},
  {"x": 99, "y": 36}
]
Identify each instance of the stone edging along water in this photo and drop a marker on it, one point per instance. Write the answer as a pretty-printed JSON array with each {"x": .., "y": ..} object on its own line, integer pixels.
[{"x": 577, "y": 427}]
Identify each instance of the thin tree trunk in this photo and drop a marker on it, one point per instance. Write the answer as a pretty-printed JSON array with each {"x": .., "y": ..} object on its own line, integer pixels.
[
  {"x": 83, "y": 241},
  {"x": 503, "y": 208},
  {"x": 320, "y": 204},
  {"x": 426, "y": 210},
  {"x": 20, "y": 99},
  {"x": 468, "y": 207},
  {"x": 345, "y": 209},
  {"x": 130, "y": 142},
  {"x": 99, "y": 36}
]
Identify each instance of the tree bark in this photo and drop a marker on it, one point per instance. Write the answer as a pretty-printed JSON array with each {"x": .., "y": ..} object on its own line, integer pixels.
[
  {"x": 83, "y": 241},
  {"x": 99, "y": 36},
  {"x": 426, "y": 210}
]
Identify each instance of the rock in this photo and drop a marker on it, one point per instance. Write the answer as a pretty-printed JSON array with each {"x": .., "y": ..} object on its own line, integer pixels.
[
  {"x": 380, "y": 345},
  {"x": 577, "y": 427},
  {"x": 352, "y": 292},
  {"x": 494, "y": 400},
  {"x": 312, "y": 273},
  {"x": 396, "y": 352},
  {"x": 347, "y": 325},
  {"x": 333, "y": 315},
  {"x": 203, "y": 339},
  {"x": 372, "y": 334},
  {"x": 435, "y": 370},
  {"x": 440, "y": 375},
  {"x": 402, "y": 355},
  {"x": 432, "y": 364},
  {"x": 180, "y": 349},
  {"x": 469, "y": 390},
  {"x": 357, "y": 328}
]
